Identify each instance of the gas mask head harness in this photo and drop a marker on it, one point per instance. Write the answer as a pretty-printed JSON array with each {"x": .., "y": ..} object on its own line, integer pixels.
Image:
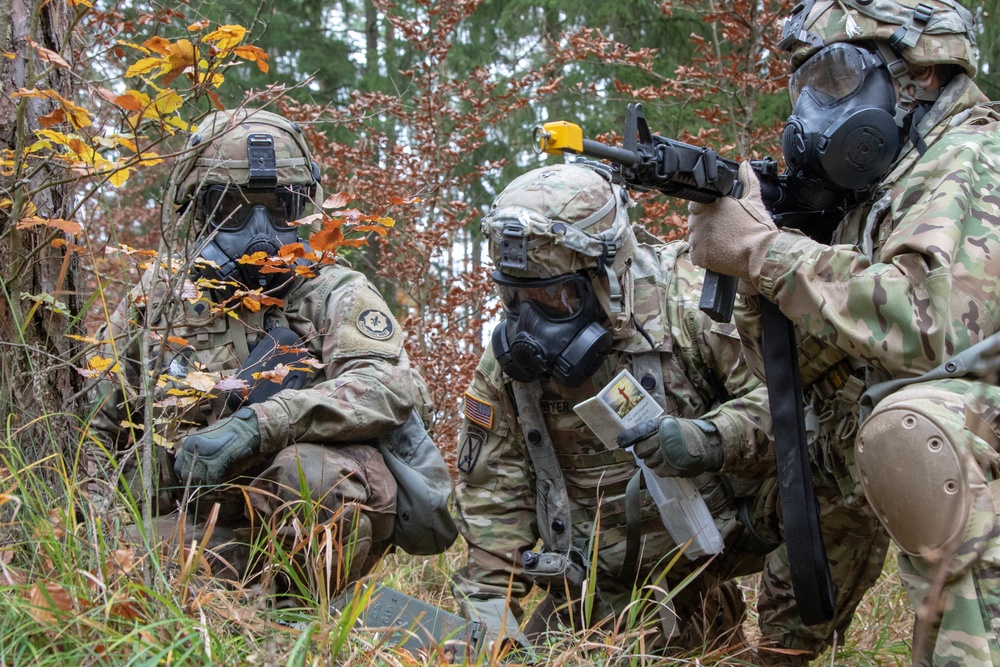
[
  {"x": 248, "y": 178},
  {"x": 562, "y": 244},
  {"x": 848, "y": 123}
]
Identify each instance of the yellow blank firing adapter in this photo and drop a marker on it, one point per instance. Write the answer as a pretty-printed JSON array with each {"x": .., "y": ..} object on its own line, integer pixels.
[{"x": 556, "y": 137}]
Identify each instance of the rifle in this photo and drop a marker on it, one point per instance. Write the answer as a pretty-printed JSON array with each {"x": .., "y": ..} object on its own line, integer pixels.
[{"x": 649, "y": 162}]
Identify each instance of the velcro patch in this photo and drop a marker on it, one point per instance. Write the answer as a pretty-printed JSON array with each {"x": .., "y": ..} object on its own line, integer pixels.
[
  {"x": 478, "y": 411},
  {"x": 468, "y": 452},
  {"x": 375, "y": 324}
]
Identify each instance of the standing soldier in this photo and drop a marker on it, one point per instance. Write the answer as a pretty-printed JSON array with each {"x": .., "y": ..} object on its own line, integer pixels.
[
  {"x": 585, "y": 299},
  {"x": 319, "y": 389},
  {"x": 885, "y": 113}
]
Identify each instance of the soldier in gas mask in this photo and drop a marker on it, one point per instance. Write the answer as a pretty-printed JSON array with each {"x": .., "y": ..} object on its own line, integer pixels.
[
  {"x": 583, "y": 299},
  {"x": 886, "y": 112},
  {"x": 317, "y": 380}
]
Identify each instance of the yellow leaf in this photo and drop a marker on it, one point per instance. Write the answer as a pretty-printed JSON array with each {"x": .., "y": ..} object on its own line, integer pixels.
[
  {"x": 167, "y": 102},
  {"x": 179, "y": 123},
  {"x": 76, "y": 3},
  {"x": 252, "y": 305},
  {"x": 226, "y": 37},
  {"x": 134, "y": 46},
  {"x": 101, "y": 364},
  {"x": 9, "y": 54},
  {"x": 119, "y": 176},
  {"x": 144, "y": 66},
  {"x": 85, "y": 339}
]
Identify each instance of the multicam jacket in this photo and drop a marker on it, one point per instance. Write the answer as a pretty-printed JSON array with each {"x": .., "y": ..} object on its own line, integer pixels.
[
  {"x": 916, "y": 277},
  {"x": 702, "y": 367},
  {"x": 363, "y": 388}
]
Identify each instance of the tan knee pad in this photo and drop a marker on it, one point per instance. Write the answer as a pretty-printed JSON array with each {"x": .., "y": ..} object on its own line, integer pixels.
[{"x": 916, "y": 477}]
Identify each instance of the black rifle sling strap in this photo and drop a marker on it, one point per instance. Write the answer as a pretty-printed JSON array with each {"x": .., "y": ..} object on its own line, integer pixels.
[{"x": 810, "y": 570}]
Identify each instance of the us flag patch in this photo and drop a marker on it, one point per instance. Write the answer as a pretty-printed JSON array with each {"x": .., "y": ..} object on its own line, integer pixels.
[{"x": 478, "y": 411}]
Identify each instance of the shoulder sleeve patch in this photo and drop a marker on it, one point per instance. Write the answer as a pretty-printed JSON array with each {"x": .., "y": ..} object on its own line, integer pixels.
[
  {"x": 478, "y": 411},
  {"x": 361, "y": 324},
  {"x": 470, "y": 448},
  {"x": 375, "y": 324}
]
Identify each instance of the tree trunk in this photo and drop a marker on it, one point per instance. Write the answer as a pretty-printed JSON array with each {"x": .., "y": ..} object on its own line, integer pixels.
[{"x": 39, "y": 298}]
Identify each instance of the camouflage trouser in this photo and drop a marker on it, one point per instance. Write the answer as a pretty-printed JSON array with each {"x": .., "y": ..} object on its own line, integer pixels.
[
  {"x": 304, "y": 497},
  {"x": 856, "y": 546},
  {"x": 955, "y": 588}
]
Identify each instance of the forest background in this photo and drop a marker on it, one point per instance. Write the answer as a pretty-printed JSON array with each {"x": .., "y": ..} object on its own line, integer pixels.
[{"x": 418, "y": 112}]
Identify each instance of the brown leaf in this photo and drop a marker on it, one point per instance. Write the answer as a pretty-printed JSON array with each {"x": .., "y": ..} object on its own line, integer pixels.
[
  {"x": 57, "y": 116},
  {"x": 338, "y": 200},
  {"x": 49, "y": 56},
  {"x": 67, "y": 226},
  {"x": 49, "y": 601}
]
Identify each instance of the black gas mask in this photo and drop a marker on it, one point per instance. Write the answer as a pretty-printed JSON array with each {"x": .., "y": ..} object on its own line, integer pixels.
[
  {"x": 843, "y": 128},
  {"x": 552, "y": 329},
  {"x": 238, "y": 221}
]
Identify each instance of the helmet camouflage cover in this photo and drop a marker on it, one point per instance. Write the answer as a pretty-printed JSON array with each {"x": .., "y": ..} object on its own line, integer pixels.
[
  {"x": 560, "y": 219},
  {"x": 921, "y": 32},
  {"x": 218, "y": 153}
]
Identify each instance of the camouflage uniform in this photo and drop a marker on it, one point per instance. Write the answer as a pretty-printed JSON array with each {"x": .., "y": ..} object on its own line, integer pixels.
[
  {"x": 911, "y": 280},
  {"x": 702, "y": 367},
  {"x": 316, "y": 438}
]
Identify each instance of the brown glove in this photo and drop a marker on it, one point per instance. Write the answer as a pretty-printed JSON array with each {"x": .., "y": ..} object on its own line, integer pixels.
[{"x": 732, "y": 236}]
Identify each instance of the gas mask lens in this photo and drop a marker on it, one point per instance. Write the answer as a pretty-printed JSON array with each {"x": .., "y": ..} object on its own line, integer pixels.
[
  {"x": 558, "y": 298},
  {"x": 833, "y": 74},
  {"x": 229, "y": 207}
]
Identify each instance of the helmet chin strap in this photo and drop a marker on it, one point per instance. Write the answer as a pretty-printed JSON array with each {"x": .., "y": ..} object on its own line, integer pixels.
[{"x": 911, "y": 94}]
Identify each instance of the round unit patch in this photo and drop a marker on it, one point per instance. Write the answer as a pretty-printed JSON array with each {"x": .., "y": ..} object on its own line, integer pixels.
[{"x": 375, "y": 324}]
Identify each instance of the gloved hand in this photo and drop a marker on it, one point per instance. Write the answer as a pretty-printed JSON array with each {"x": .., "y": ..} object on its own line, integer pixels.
[
  {"x": 732, "y": 236},
  {"x": 206, "y": 454},
  {"x": 673, "y": 447}
]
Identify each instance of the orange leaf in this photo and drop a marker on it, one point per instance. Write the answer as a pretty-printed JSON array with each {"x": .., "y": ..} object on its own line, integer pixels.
[
  {"x": 396, "y": 201},
  {"x": 198, "y": 25},
  {"x": 129, "y": 102},
  {"x": 292, "y": 250},
  {"x": 67, "y": 226},
  {"x": 177, "y": 340},
  {"x": 158, "y": 44},
  {"x": 327, "y": 239}
]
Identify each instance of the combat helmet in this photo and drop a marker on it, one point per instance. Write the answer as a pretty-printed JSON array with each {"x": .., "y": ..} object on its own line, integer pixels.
[
  {"x": 565, "y": 218},
  {"x": 246, "y": 177},
  {"x": 920, "y": 32},
  {"x": 219, "y": 153}
]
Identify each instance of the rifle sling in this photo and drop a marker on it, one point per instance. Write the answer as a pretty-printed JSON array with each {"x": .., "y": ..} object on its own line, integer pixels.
[{"x": 810, "y": 570}]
